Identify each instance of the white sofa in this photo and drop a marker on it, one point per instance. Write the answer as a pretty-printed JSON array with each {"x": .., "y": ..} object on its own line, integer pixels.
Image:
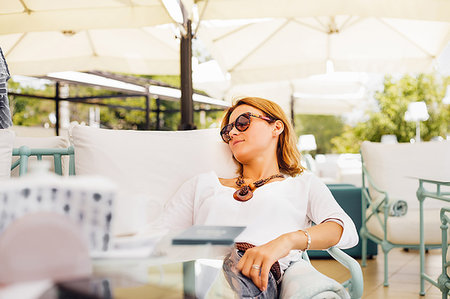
[{"x": 147, "y": 166}]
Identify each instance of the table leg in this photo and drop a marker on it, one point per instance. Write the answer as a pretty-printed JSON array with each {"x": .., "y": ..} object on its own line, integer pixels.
[{"x": 189, "y": 279}]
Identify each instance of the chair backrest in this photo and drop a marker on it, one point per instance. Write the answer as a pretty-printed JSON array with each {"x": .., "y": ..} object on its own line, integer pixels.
[
  {"x": 391, "y": 167},
  {"x": 148, "y": 166},
  {"x": 6, "y": 146},
  {"x": 43, "y": 246}
]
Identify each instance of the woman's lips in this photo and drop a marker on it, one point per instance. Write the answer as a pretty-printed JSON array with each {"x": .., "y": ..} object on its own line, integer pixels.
[{"x": 237, "y": 141}]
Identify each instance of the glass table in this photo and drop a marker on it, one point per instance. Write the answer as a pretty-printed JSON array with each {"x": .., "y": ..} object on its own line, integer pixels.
[
  {"x": 171, "y": 271},
  {"x": 174, "y": 273}
]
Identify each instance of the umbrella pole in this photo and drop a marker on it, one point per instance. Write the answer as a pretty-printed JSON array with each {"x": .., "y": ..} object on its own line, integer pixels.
[
  {"x": 147, "y": 111},
  {"x": 57, "y": 98},
  {"x": 187, "y": 111}
]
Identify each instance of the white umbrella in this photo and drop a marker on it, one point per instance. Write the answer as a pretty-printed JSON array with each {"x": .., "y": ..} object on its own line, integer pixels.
[
  {"x": 289, "y": 48},
  {"x": 146, "y": 50},
  {"x": 315, "y": 95},
  {"x": 41, "y": 36}
]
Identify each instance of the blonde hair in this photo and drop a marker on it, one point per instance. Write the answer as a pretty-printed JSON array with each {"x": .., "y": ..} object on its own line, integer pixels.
[{"x": 288, "y": 155}]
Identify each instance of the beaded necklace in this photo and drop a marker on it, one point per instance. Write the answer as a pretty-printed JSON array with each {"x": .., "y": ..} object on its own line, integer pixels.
[{"x": 246, "y": 191}]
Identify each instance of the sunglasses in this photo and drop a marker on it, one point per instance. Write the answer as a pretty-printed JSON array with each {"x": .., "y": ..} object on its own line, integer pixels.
[{"x": 241, "y": 123}]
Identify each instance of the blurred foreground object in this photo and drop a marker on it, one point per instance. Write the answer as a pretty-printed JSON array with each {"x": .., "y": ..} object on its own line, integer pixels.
[
  {"x": 5, "y": 114},
  {"x": 43, "y": 246}
]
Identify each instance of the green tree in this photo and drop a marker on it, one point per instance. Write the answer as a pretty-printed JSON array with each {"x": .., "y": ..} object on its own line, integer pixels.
[
  {"x": 323, "y": 127},
  {"x": 27, "y": 111},
  {"x": 393, "y": 102}
]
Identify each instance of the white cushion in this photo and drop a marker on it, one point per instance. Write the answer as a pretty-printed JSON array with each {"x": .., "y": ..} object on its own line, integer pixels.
[
  {"x": 42, "y": 142},
  {"x": 148, "y": 166},
  {"x": 405, "y": 229},
  {"x": 391, "y": 167},
  {"x": 6, "y": 146},
  {"x": 302, "y": 280}
]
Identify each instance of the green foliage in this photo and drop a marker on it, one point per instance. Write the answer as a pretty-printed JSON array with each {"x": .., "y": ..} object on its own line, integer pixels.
[
  {"x": 28, "y": 111},
  {"x": 324, "y": 128},
  {"x": 392, "y": 103}
]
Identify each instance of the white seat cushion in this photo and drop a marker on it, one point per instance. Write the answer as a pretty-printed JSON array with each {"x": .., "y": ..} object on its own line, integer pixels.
[
  {"x": 42, "y": 142},
  {"x": 148, "y": 166},
  {"x": 6, "y": 146},
  {"x": 405, "y": 229}
]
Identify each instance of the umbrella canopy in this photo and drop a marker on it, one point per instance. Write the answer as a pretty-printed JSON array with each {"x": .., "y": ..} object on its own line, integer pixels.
[
  {"x": 41, "y": 36},
  {"x": 432, "y": 10},
  {"x": 289, "y": 48},
  {"x": 17, "y": 16},
  {"x": 146, "y": 50}
]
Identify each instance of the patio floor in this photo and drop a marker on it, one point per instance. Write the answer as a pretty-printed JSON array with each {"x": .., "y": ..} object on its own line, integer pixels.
[{"x": 404, "y": 270}]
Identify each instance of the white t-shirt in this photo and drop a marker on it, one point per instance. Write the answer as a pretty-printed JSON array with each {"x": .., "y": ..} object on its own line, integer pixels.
[{"x": 276, "y": 208}]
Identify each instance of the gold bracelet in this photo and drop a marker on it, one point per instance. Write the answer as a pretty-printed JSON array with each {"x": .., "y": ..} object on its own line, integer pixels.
[{"x": 308, "y": 242}]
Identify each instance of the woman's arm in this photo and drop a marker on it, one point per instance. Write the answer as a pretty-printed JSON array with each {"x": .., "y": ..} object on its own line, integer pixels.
[{"x": 322, "y": 236}]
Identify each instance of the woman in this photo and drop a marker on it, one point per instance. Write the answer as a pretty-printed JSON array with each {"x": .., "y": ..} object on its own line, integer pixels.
[{"x": 272, "y": 196}]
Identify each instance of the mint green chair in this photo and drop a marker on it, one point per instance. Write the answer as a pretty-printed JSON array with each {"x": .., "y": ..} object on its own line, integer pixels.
[
  {"x": 390, "y": 175},
  {"x": 25, "y": 152}
]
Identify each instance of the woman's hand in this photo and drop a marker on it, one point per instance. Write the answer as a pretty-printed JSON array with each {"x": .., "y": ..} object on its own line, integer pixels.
[{"x": 263, "y": 256}]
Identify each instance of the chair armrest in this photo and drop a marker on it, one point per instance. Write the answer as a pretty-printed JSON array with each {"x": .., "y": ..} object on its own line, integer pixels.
[
  {"x": 365, "y": 193},
  {"x": 371, "y": 182},
  {"x": 355, "y": 284}
]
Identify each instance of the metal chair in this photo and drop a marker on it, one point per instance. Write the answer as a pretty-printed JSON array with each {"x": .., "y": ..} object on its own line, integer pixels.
[{"x": 388, "y": 176}]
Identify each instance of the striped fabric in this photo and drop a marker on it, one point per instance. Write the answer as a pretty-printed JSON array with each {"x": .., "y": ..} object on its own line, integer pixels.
[{"x": 5, "y": 114}]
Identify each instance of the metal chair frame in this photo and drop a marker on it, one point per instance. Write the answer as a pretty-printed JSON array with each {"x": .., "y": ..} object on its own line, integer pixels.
[
  {"x": 443, "y": 281},
  {"x": 375, "y": 208},
  {"x": 24, "y": 153}
]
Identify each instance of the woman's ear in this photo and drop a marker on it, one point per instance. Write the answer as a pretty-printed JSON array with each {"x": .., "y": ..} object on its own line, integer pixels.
[{"x": 278, "y": 128}]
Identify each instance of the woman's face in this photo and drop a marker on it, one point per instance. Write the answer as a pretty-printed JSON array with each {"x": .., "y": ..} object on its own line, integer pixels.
[{"x": 258, "y": 140}]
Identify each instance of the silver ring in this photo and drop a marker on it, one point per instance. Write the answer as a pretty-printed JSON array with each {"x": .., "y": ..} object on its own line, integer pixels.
[{"x": 257, "y": 267}]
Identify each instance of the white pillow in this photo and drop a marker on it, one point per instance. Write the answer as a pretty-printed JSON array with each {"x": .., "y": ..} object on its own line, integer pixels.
[
  {"x": 42, "y": 142},
  {"x": 6, "y": 146},
  {"x": 148, "y": 166},
  {"x": 392, "y": 167}
]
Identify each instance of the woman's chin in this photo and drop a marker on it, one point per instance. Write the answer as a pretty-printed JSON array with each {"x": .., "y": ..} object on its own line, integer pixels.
[{"x": 242, "y": 157}]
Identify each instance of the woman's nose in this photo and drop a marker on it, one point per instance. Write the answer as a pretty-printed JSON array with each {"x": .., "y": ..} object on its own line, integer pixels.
[{"x": 233, "y": 132}]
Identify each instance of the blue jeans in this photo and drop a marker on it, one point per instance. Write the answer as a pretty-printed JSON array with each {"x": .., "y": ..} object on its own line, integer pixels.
[{"x": 244, "y": 286}]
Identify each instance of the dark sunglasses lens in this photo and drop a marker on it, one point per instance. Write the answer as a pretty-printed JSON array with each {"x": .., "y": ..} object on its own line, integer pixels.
[
  {"x": 242, "y": 122},
  {"x": 225, "y": 133}
]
